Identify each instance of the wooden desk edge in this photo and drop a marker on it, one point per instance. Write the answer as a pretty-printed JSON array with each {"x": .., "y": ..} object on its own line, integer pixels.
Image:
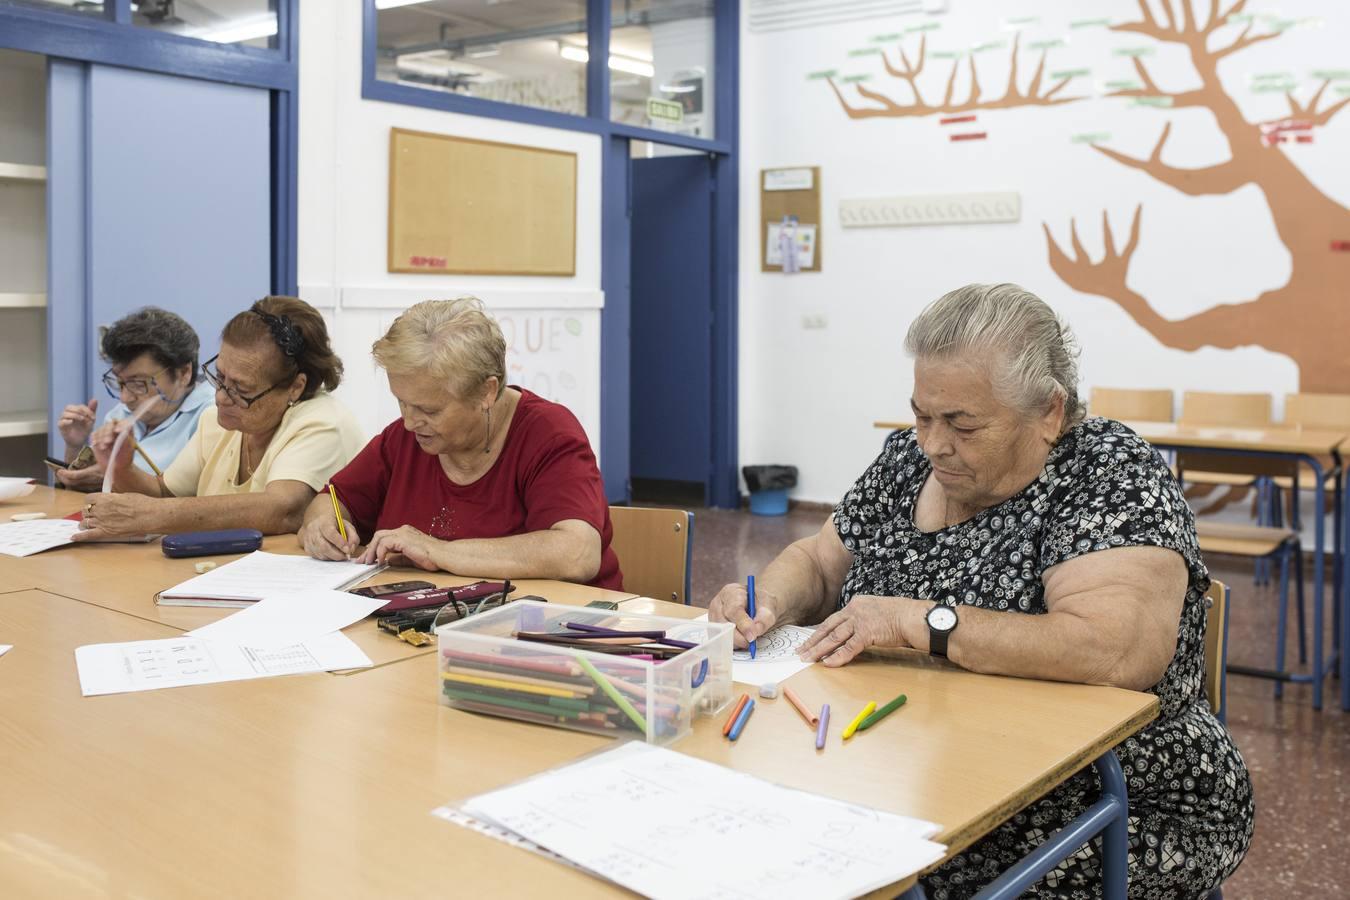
[{"x": 960, "y": 840}]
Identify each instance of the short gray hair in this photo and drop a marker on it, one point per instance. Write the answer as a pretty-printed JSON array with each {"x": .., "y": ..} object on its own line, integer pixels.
[
  {"x": 455, "y": 340},
  {"x": 1031, "y": 354}
]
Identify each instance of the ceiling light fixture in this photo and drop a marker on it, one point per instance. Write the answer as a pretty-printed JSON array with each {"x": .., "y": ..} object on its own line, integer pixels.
[
  {"x": 394, "y": 4},
  {"x": 238, "y": 32},
  {"x": 616, "y": 62}
]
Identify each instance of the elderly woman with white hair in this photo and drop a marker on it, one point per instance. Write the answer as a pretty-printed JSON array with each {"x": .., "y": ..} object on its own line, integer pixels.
[
  {"x": 1013, "y": 536},
  {"x": 477, "y": 477}
]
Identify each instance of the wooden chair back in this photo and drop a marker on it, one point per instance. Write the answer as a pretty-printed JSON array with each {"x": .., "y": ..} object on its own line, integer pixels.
[
  {"x": 1126, "y": 404},
  {"x": 1329, "y": 411},
  {"x": 1216, "y": 647},
  {"x": 654, "y": 547},
  {"x": 1225, "y": 409}
]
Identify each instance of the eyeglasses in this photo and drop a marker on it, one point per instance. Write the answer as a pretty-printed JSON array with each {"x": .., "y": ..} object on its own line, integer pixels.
[
  {"x": 217, "y": 381},
  {"x": 137, "y": 387}
]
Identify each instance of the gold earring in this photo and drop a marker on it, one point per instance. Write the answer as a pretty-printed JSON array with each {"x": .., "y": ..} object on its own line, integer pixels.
[{"x": 487, "y": 444}]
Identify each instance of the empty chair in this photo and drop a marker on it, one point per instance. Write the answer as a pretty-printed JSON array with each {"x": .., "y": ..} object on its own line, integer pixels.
[
  {"x": 1127, "y": 404},
  {"x": 654, "y": 547}
]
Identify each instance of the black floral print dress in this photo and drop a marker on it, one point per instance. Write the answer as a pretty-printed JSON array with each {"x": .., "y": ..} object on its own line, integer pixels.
[{"x": 1191, "y": 812}]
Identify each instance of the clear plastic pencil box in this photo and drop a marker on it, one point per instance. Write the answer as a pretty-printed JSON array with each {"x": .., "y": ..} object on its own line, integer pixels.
[{"x": 485, "y": 669}]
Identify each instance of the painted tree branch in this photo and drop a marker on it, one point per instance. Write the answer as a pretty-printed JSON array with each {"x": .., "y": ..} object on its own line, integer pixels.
[
  {"x": 1151, "y": 89},
  {"x": 1226, "y": 326},
  {"x": 1209, "y": 181},
  {"x": 1014, "y": 96},
  {"x": 1308, "y": 113}
]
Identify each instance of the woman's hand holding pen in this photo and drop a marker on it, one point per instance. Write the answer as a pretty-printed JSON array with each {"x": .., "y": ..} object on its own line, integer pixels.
[
  {"x": 321, "y": 539},
  {"x": 730, "y": 606}
]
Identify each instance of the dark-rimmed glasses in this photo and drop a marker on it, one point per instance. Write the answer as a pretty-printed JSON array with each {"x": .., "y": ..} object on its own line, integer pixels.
[
  {"x": 138, "y": 386},
  {"x": 217, "y": 381}
]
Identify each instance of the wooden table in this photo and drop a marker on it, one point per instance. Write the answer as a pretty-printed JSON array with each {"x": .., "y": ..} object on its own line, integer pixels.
[{"x": 321, "y": 786}]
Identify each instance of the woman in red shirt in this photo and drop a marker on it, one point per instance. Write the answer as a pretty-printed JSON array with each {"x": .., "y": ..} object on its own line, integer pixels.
[{"x": 477, "y": 477}]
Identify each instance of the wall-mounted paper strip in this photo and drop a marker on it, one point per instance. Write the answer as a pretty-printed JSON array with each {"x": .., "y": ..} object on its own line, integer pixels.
[{"x": 931, "y": 209}]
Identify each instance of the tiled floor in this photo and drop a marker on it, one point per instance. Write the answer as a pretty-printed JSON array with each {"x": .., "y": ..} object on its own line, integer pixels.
[{"x": 1299, "y": 758}]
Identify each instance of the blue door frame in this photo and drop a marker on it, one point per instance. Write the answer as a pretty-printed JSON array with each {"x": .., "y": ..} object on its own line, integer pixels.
[{"x": 615, "y": 228}]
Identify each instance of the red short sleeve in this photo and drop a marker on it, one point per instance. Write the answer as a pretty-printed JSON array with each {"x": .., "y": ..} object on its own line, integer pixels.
[
  {"x": 363, "y": 483},
  {"x": 564, "y": 483}
]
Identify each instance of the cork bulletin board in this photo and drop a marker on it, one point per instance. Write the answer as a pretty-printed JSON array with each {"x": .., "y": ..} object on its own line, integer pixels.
[
  {"x": 479, "y": 207},
  {"x": 789, "y": 192}
]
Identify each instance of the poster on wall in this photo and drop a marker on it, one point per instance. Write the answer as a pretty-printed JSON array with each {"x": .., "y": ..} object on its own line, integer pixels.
[{"x": 805, "y": 240}]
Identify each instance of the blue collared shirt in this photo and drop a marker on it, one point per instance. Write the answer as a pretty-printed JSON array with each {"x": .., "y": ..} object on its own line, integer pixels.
[{"x": 170, "y": 436}]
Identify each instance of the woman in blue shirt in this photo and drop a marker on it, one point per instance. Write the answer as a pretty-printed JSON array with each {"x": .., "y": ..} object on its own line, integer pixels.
[{"x": 153, "y": 354}]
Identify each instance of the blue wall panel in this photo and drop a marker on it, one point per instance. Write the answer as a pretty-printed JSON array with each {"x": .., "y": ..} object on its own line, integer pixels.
[{"x": 179, "y": 201}]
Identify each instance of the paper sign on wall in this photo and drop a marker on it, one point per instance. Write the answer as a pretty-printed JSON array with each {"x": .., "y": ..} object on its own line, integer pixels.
[
  {"x": 806, "y": 246},
  {"x": 788, "y": 179}
]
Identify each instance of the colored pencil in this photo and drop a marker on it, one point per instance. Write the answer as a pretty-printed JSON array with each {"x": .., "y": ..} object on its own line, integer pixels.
[
  {"x": 522, "y": 679},
  {"x": 799, "y": 706},
  {"x": 741, "y": 720},
  {"x": 882, "y": 713},
  {"x": 853, "y": 726},
  {"x": 823, "y": 727},
  {"x": 511, "y": 685},
  {"x": 619, "y": 700},
  {"x": 731, "y": 719},
  {"x": 337, "y": 512},
  {"x": 547, "y": 666},
  {"x": 750, "y": 606}
]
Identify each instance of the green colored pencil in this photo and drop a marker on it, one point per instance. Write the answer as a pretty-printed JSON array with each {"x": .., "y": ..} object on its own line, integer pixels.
[
  {"x": 619, "y": 700},
  {"x": 882, "y": 713}
]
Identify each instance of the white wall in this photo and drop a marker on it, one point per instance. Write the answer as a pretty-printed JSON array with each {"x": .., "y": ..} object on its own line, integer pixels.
[
  {"x": 343, "y": 210},
  {"x": 809, "y": 397}
]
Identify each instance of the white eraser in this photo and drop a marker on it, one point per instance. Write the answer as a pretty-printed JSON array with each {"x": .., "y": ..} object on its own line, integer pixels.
[
  {"x": 27, "y": 517},
  {"x": 204, "y": 567},
  {"x": 769, "y": 691}
]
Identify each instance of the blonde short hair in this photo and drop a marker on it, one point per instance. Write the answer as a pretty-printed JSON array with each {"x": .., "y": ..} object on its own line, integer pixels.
[
  {"x": 450, "y": 339},
  {"x": 1030, "y": 352}
]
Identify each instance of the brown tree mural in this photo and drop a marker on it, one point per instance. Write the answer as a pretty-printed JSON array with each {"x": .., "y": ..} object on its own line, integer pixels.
[
  {"x": 1293, "y": 319},
  {"x": 1013, "y": 96}
]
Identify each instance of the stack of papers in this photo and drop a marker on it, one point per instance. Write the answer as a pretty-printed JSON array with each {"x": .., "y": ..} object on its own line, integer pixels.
[
  {"x": 279, "y": 635},
  {"x": 12, "y": 488},
  {"x": 27, "y": 538},
  {"x": 668, "y": 825},
  {"x": 245, "y": 581}
]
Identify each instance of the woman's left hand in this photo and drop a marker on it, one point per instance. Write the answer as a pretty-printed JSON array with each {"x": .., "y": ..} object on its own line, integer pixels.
[
  {"x": 112, "y": 514},
  {"x": 866, "y": 622},
  {"x": 404, "y": 544}
]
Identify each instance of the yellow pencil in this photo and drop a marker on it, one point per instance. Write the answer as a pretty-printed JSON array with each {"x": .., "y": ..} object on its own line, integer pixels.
[
  {"x": 512, "y": 685},
  {"x": 853, "y": 726},
  {"x": 337, "y": 512}
]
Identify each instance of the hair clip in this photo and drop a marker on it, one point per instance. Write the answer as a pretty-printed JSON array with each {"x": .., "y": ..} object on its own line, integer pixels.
[{"x": 284, "y": 332}]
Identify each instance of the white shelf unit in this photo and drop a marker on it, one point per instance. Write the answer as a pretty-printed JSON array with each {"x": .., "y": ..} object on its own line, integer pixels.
[
  {"x": 23, "y": 262},
  {"x": 23, "y": 423},
  {"x": 23, "y": 301},
  {"x": 22, "y": 172}
]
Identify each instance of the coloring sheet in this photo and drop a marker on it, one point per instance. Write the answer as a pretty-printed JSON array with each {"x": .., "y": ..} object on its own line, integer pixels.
[{"x": 775, "y": 656}]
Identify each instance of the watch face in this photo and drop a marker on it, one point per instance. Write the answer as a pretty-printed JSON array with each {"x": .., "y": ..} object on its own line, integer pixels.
[{"x": 942, "y": 618}]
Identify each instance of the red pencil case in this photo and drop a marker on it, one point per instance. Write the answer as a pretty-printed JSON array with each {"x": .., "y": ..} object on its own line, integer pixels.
[{"x": 440, "y": 596}]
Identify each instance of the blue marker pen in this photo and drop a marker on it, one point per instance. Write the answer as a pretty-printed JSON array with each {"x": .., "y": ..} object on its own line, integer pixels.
[{"x": 750, "y": 605}]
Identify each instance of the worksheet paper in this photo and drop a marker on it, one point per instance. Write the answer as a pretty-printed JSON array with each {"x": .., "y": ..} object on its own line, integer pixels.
[
  {"x": 27, "y": 538},
  {"x": 260, "y": 574},
  {"x": 185, "y": 660},
  {"x": 278, "y": 620},
  {"x": 670, "y": 826},
  {"x": 14, "y": 488},
  {"x": 775, "y": 656}
]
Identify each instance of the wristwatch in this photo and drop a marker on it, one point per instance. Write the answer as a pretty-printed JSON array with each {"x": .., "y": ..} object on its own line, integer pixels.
[{"x": 942, "y": 622}]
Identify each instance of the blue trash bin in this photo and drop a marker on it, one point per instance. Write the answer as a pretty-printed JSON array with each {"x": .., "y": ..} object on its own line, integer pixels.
[
  {"x": 768, "y": 488},
  {"x": 769, "y": 503}
]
